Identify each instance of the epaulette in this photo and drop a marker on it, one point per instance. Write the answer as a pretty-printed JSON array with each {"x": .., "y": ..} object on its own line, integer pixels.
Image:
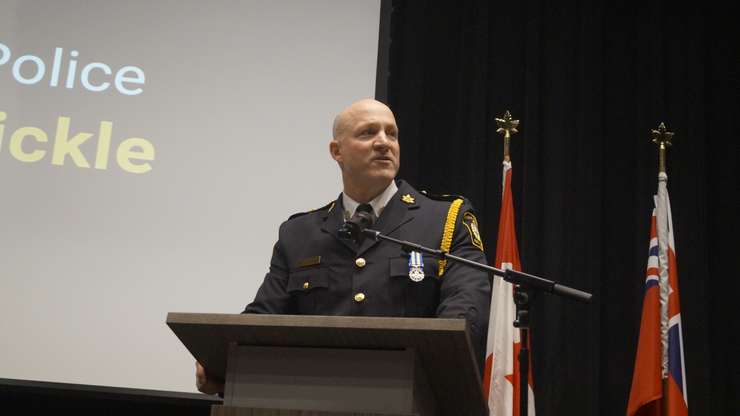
[
  {"x": 328, "y": 207},
  {"x": 442, "y": 197}
]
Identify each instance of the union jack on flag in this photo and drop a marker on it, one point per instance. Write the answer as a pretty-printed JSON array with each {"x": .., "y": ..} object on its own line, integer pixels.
[{"x": 659, "y": 378}]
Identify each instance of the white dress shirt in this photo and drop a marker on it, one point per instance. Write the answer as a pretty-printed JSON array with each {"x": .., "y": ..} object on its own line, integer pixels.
[{"x": 378, "y": 203}]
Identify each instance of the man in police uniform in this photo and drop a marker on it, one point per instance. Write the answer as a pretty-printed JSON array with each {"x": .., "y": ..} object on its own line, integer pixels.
[{"x": 313, "y": 271}]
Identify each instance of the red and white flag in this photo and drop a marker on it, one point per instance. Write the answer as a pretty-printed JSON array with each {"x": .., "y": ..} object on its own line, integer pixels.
[
  {"x": 502, "y": 375},
  {"x": 659, "y": 378}
]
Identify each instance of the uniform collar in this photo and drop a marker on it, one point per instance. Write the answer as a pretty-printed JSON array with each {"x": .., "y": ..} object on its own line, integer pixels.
[
  {"x": 397, "y": 212},
  {"x": 378, "y": 203}
]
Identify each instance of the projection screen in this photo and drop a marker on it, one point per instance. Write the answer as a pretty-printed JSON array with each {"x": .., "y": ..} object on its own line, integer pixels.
[{"x": 149, "y": 151}]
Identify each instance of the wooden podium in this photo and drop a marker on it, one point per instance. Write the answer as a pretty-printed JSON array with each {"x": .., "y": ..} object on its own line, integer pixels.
[{"x": 285, "y": 365}]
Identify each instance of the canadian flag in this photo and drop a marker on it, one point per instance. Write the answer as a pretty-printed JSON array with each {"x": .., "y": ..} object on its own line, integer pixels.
[{"x": 502, "y": 375}]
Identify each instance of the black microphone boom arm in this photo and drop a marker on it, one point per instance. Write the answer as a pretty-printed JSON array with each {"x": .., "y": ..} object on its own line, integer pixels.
[{"x": 511, "y": 276}]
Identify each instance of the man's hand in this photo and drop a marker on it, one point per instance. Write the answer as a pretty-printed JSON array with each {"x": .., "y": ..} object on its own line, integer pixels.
[{"x": 204, "y": 384}]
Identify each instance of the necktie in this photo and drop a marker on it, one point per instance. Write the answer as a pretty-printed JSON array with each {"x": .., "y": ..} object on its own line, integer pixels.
[{"x": 366, "y": 208}]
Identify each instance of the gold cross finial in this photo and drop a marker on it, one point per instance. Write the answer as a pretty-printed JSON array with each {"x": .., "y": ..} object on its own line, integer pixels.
[
  {"x": 662, "y": 137},
  {"x": 507, "y": 127}
]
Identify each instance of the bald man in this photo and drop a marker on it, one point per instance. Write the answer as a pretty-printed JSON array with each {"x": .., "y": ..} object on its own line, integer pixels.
[{"x": 315, "y": 272}]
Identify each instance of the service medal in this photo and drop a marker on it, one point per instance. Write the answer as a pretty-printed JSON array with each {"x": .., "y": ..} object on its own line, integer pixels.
[{"x": 416, "y": 266}]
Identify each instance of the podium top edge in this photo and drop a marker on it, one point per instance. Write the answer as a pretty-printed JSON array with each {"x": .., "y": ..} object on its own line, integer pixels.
[{"x": 315, "y": 321}]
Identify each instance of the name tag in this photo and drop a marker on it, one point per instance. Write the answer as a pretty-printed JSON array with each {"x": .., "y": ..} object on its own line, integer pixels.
[{"x": 309, "y": 261}]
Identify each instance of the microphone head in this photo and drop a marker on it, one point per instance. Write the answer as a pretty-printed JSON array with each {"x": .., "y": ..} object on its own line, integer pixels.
[
  {"x": 345, "y": 232},
  {"x": 352, "y": 229}
]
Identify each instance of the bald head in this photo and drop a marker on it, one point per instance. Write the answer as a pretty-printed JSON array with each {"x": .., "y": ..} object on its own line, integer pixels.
[
  {"x": 365, "y": 146},
  {"x": 347, "y": 118}
]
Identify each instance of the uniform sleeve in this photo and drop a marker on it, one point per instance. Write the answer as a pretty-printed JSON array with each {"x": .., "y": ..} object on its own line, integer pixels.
[
  {"x": 272, "y": 296},
  {"x": 465, "y": 292}
]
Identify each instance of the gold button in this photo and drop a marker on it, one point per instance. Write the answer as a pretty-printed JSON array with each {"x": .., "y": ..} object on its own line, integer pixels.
[
  {"x": 359, "y": 297},
  {"x": 305, "y": 285},
  {"x": 360, "y": 262}
]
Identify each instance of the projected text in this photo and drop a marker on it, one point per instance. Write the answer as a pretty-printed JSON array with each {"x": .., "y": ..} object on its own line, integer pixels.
[
  {"x": 94, "y": 76},
  {"x": 31, "y": 144}
]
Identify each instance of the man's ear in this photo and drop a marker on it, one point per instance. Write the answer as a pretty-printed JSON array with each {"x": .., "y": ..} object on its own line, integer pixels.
[{"x": 335, "y": 151}]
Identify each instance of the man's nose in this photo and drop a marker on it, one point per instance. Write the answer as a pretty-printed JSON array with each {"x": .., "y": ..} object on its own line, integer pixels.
[{"x": 381, "y": 141}]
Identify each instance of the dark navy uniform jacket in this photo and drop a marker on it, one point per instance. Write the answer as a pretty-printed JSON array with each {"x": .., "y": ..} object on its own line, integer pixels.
[{"x": 314, "y": 272}]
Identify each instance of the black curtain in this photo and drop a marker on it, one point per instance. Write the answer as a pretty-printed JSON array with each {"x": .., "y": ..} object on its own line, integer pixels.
[{"x": 589, "y": 80}]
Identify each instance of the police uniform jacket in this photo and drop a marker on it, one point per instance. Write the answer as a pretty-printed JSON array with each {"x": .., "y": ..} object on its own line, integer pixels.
[{"x": 314, "y": 272}]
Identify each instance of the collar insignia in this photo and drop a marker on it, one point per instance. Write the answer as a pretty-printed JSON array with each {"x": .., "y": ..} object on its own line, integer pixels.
[{"x": 408, "y": 199}]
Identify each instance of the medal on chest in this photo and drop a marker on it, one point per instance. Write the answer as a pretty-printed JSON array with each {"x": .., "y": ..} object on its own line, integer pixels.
[{"x": 416, "y": 266}]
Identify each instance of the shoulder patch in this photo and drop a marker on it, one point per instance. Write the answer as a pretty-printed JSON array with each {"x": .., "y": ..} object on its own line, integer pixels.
[
  {"x": 471, "y": 223},
  {"x": 328, "y": 207},
  {"x": 441, "y": 197}
]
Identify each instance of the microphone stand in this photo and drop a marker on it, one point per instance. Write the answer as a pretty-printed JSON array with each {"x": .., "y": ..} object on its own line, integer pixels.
[{"x": 523, "y": 284}]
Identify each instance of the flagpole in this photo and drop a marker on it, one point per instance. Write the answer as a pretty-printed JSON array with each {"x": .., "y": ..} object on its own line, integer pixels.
[
  {"x": 507, "y": 126},
  {"x": 662, "y": 138}
]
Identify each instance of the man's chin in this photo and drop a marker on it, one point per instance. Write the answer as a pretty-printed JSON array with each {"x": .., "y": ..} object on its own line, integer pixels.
[{"x": 385, "y": 175}]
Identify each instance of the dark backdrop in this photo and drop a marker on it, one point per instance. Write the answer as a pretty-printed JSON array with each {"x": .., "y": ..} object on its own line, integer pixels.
[{"x": 588, "y": 80}]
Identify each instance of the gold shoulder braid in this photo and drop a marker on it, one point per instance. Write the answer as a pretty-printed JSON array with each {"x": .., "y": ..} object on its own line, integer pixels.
[{"x": 449, "y": 231}]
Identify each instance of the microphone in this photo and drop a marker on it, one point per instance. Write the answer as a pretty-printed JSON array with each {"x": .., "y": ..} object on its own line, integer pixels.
[{"x": 352, "y": 229}]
